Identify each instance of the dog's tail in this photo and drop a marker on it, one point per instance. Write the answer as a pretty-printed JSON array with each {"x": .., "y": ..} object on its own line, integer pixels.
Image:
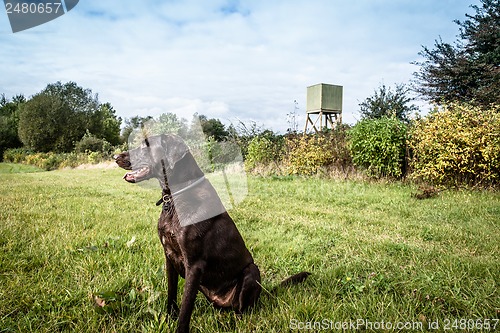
[
  {"x": 294, "y": 279},
  {"x": 290, "y": 281}
]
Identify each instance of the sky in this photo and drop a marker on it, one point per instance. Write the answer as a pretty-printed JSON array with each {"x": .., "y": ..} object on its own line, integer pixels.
[{"x": 233, "y": 60}]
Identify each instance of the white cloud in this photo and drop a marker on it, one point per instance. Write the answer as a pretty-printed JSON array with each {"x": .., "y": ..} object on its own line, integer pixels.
[{"x": 226, "y": 59}]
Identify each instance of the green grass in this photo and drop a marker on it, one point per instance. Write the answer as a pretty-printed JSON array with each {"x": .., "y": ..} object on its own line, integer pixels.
[
  {"x": 18, "y": 168},
  {"x": 375, "y": 253}
]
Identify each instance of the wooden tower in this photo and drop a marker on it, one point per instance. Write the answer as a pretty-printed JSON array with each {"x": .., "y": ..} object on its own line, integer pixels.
[{"x": 324, "y": 101}]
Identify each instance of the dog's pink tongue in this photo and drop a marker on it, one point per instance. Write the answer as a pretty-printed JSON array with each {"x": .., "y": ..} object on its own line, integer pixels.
[{"x": 129, "y": 177}]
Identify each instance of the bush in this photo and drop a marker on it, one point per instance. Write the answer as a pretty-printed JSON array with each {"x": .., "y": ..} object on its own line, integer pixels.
[
  {"x": 307, "y": 154},
  {"x": 457, "y": 145},
  {"x": 299, "y": 154},
  {"x": 90, "y": 143},
  {"x": 47, "y": 161},
  {"x": 16, "y": 155},
  {"x": 72, "y": 160},
  {"x": 339, "y": 145},
  {"x": 379, "y": 146},
  {"x": 89, "y": 149},
  {"x": 51, "y": 161},
  {"x": 95, "y": 157},
  {"x": 264, "y": 151}
]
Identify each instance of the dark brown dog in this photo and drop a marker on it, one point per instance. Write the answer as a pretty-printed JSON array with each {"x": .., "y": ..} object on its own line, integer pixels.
[{"x": 200, "y": 240}]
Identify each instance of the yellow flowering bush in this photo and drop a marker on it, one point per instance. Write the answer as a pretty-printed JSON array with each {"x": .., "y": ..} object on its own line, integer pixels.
[
  {"x": 458, "y": 144},
  {"x": 309, "y": 154}
]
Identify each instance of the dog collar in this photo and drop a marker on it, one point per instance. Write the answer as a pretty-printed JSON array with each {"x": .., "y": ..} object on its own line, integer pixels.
[
  {"x": 166, "y": 199},
  {"x": 190, "y": 186}
]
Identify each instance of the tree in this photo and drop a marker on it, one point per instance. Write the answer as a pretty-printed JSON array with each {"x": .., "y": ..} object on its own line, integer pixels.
[
  {"x": 213, "y": 128},
  {"x": 469, "y": 69},
  {"x": 386, "y": 103},
  {"x": 170, "y": 123},
  {"x": 131, "y": 124},
  {"x": 60, "y": 115},
  {"x": 105, "y": 124},
  {"x": 82, "y": 102},
  {"x": 43, "y": 124},
  {"x": 9, "y": 119}
]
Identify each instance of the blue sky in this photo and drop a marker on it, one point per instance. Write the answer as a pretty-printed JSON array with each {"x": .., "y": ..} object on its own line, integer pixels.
[{"x": 232, "y": 60}]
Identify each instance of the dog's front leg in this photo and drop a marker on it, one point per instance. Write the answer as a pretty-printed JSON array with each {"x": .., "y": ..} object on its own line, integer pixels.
[
  {"x": 193, "y": 279},
  {"x": 173, "y": 279}
]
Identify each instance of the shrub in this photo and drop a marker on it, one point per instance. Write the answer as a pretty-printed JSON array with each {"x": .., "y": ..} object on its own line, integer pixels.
[
  {"x": 379, "y": 146},
  {"x": 95, "y": 157},
  {"x": 299, "y": 154},
  {"x": 264, "y": 151},
  {"x": 16, "y": 155},
  {"x": 307, "y": 154},
  {"x": 90, "y": 143},
  {"x": 457, "y": 145},
  {"x": 48, "y": 161},
  {"x": 339, "y": 146},
  {"x": 72, "y": 160},
  {"x": 212, "y": 155},
  {"x": 51, "y": 161}
]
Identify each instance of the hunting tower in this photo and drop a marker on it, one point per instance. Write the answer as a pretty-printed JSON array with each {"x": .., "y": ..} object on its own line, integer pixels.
[{"x": 324, "y": 101}]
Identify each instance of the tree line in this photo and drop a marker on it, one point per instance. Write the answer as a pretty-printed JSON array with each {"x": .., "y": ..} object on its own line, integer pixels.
[
  {"x": 56, "y": 118},
  {"x": 64, "y": 117},
  {"x": 467, "y": 71}
]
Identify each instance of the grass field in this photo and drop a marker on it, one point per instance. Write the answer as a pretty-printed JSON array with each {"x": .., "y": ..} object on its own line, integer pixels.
[{"x": 79, "y": 252}]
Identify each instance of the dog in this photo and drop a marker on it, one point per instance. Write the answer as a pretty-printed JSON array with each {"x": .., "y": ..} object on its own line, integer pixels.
[{"x": 199, "y": 238}]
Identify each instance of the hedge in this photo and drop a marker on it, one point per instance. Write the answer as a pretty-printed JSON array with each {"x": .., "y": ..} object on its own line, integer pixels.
[{"x": 457, "y": 145}]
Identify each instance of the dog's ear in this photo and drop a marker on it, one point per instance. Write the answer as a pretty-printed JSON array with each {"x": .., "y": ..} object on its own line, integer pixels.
[{"x": 175, "y": 149}]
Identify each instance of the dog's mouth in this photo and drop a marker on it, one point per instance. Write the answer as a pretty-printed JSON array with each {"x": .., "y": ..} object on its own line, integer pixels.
[{"x": 136, "y": 176}]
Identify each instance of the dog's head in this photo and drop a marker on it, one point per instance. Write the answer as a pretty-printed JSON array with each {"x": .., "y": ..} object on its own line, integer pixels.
[
  {"x": 168, "y": 159},
  {"x": 156, "y": 157}
]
